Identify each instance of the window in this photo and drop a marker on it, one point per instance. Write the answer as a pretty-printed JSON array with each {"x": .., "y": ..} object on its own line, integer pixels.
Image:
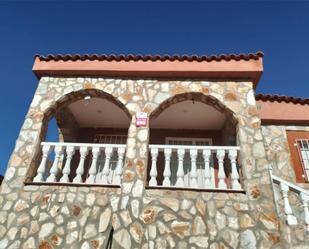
[
  {"x": 299, "y": 148},
  {"x": 110, "y": 139},
  {"x": 303, "y": 151}
]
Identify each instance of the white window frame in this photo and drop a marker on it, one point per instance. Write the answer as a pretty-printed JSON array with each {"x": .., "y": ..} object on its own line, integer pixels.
[
  {"x": 301, "y": 153},
  {"x": 99, "y": 136},
  {"x": 193, "y": 139}
]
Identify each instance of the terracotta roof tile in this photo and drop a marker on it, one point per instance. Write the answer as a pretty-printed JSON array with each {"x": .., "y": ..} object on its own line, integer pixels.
[
  {"x": 282, "y": 98},
  {"x": 130, "y": 57}
]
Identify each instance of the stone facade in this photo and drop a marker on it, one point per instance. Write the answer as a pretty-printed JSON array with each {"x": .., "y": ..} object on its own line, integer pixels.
[
  {"x": 83, "y": 216},
  {"x": 278, "y": 151}
]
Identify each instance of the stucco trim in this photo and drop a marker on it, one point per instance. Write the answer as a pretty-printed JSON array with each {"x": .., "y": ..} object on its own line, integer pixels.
[{"x": 250, "y": 70}]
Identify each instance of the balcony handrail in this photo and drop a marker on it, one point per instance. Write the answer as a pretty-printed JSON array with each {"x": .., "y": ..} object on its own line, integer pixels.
[
  {"x": 190, "y": 175},
  {"x": 303, "y": 195},
  {"x": 292, "y": 186},
  {"x": 108, "y": 173},
  {"x": 94, "y": 145}
]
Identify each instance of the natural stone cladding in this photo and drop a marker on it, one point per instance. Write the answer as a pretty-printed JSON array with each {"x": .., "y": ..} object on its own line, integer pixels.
[
  {"x": 49, "y": 216},
  {"x": 278, "y": 152}
]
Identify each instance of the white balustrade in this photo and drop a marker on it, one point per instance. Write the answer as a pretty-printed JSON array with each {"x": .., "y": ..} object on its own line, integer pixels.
[
  {"x": 167, "y": 167},
  {"x": 93, "y": 167},
  {"x": 180, "y": 172},
  {"x": 183, "y": 162},
  {"x": 84, "y": 163},
  {"x": 42, "y": 168},
  {"x": 54, "y": 168},
  {"x": 286, "y": 188},
  {"x": 80, "y": 169},
  {"x": 305, "y": 201},
  {"x": 106, "y": 168},
  {"x": 234, "y": 174},
  {"x": 290, "y": 218},
  {"x": 118, "y": 171},
  {"x": 208, "y": 178},
  {"x": 193, "y": 173},
  {"x": 153, "y": 172},
  {"x": 221, "y": 174},
  {"x": 70, "y": 150}
]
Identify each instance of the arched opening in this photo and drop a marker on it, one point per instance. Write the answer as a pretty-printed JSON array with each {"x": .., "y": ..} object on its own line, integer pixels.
[
  {"x": 193, "y": 144},
  {"x": 89, "y": 148}
]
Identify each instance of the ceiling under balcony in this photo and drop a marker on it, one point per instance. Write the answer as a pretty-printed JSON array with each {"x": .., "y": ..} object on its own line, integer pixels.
[{"x": 96, "y": 112}]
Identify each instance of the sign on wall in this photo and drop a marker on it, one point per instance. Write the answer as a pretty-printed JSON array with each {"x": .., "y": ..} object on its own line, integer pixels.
[{"x": 141, "y": 119}]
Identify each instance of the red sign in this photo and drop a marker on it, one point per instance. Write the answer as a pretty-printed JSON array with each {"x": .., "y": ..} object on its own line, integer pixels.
[{"x": 141, "y": 119}]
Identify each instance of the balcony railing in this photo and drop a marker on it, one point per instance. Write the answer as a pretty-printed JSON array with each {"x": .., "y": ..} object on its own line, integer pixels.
[
  {"x": 293, "y": 215},
  {"x": 81, "y": 163},
  {"x": 198, "y": 167}
]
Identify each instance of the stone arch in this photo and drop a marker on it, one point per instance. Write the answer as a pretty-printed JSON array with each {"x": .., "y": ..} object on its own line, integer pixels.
[
  {"x": 198, "y": 97},
  {"x": 72, "y": 97},
  {"x": 60, "y": 104},
  {"x": 222, "y": 131}
]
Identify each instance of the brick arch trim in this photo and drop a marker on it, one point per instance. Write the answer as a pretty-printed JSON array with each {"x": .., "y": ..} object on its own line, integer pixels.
[{"x": 72, "y": 97}]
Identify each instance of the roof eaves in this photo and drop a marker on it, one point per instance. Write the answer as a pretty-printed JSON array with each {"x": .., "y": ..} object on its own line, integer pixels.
[
  {"x": 282, "y": 98},
  {"x": 130, "y": 57}
]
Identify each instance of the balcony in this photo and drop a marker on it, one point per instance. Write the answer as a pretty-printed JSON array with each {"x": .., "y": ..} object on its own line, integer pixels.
[
  {"x": 192, "y": 145},
  {"x": 198, "y": 167},
  {"x": 92, "y": 134},
  {"x": 81, "y": 163},
  {"x": 187, "y": 167}
]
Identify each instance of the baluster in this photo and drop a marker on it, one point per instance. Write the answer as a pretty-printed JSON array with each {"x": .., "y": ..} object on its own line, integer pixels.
[
  {"x": 193, "y": 173},
  {"x": 291, "y": 219},
  {"x": 42, "y": 167},
  {"x": 67, "y": 167},
  {"x": 167, "y": 168},
  {"x": 98, "y": 176},
  {"x": 153, "y": 172},
  {"x": 105, "y": 171},
  {"x": 80, "y": 169},
  {"x": 180, "y": 172},
  {"x": 54, "y": 168},
  {"x": 93, "y": 167},
  {"x": 118, "y": 171},
  {"x": 221, "y": 173},
  {"x": 234, "y": 175},
  {"x": 208, "y": 180},
  {"x": 305, "y": 201}
]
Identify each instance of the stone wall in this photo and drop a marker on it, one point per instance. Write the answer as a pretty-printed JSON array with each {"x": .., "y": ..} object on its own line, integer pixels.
[
  {"x": 278, "y": 151},
  {"x": 58, "y": 217}
]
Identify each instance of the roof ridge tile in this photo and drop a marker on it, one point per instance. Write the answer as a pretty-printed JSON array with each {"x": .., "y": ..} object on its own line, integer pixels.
[
  {"x": 148, "y": 57},
  {"x": 282, "y": 98}
]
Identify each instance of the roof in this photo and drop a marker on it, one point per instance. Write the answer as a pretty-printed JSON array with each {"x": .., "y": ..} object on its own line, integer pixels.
[
  {"x": 282, "y": 98},
  {"x": 130, "y": 57},
  {"x": 247, "y": 67},
  {"x": 282, "y": 110}
]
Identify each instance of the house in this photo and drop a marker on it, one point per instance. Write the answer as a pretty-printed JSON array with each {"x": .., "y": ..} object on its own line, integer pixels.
[{"x": 157, "y": 152}]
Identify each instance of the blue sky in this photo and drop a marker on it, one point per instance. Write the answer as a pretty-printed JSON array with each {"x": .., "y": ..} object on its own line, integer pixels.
[{"x": 279, "y": 29}]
